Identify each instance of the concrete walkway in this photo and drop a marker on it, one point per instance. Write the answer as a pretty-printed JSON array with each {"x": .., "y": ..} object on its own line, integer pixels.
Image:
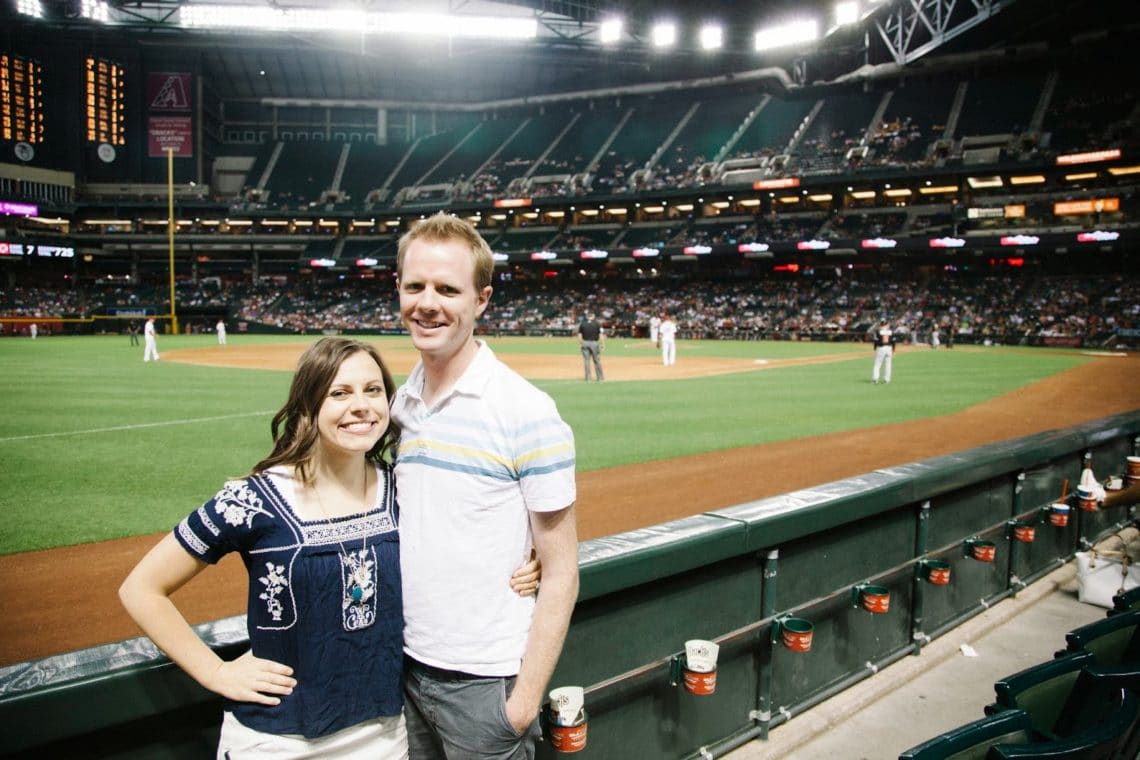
[{"x": 920, "y": 697}]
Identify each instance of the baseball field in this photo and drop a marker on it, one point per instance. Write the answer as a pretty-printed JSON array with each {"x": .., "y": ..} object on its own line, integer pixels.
[{"x": 102, "y": 452}]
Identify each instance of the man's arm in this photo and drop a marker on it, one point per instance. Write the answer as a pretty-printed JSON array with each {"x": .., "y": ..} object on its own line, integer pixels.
[
  {"x": 1122, "y": 498},
  {"x": 556, "y": 542}
]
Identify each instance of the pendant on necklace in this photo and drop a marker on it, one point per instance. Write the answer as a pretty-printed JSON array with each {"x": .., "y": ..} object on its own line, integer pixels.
[{"x": 360, "y": 582}]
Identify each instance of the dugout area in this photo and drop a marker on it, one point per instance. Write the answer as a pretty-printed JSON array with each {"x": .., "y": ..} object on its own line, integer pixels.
[{"x": 732, "y": 576}]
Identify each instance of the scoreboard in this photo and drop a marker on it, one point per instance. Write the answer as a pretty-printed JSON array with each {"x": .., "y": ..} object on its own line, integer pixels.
[
  {"x": 103, "y": 82},
  {"x": 21, "y": 100}
]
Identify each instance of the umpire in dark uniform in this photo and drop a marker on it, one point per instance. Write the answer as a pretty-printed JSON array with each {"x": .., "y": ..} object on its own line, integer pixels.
[{"x": 591, "y": 339}]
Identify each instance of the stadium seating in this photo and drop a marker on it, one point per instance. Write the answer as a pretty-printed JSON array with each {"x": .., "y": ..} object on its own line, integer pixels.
[
  {"x": 1044, "y": 691},
  {"x": 1107, "y": 739},
  {"x": 1125, "y": 601},
  {"x": 973, "y": 740},
  {"x": 1113, "y": 640}
]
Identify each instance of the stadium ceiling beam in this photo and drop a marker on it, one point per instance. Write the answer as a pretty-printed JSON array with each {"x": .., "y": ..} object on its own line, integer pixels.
[{"x": 916, "y": 28}]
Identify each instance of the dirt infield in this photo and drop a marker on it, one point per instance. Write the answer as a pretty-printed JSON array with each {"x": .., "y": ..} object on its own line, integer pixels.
[{"x": 64, "y": 599}]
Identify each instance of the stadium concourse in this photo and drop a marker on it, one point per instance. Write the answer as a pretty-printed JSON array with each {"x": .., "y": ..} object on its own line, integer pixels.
[{"x": 946, "y": 686}]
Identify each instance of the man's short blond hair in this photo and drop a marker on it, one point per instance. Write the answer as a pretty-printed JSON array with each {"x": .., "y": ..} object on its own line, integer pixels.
[{"x": 441, "y": 227}]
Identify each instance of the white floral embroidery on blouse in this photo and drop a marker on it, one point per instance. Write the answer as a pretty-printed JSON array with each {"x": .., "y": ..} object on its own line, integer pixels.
[
  {"x": 274, "y": 582},
  {"x": 239, "y": 505}
]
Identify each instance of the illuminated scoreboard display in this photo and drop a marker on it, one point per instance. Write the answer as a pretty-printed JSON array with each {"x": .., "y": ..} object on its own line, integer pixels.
[
  {"x": 21, "y": 100},
  {"x": 104, "y": 87}
]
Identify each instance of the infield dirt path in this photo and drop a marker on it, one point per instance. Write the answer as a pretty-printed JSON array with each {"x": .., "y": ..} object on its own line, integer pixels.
[{"x": 64, "y": 599}]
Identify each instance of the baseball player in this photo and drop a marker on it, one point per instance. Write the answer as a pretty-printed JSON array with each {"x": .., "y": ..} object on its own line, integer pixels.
[
  {"x": 667, "y": 334},
  {"x": 883, "y": 340},
  {"x": 654, "y": 329},
  {"x": 151, "y": 340}
]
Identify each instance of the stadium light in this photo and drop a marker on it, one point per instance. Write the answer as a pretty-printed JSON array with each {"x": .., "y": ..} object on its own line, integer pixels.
[
  {"x": 33, "y": 8},
  {"x": 784, "y": 35},
  {"x": 664, "y": 34},
  {"x": 96, "y": 10},
  {"x": 260, "y": 18},
  {"x": 610, "y": 31},
  {"x": 846, "y": 12},
  {"x": 711, "y": 37}
]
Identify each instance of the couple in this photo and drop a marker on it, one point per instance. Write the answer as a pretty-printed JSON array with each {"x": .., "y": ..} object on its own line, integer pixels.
[{"x": 350, "y": 619}]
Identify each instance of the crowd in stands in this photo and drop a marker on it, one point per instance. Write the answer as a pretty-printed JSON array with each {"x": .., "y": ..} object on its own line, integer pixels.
[{"x": 999, "y": 309}]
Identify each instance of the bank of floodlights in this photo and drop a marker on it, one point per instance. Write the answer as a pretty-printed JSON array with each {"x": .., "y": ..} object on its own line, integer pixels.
[
  {"x": 786, "y": 35},
  {"x": 610, "y": 31},
  {"x": 265, "y": 18},
  {"x": 33, "y": 8},
  {"x": 664, "y": 34},
  {"x": 712, "y": 37},
  {"x": 96, "y": 10}
]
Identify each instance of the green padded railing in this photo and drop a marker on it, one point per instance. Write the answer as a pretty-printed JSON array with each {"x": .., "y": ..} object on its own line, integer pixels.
[{"x": 729, "y": 576}]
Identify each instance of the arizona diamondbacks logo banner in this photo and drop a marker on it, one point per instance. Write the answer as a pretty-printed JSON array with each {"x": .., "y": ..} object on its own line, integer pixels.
[{"x": 168, "y": 95}]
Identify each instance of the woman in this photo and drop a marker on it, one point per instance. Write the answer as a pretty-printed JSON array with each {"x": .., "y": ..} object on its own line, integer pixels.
[{"x": 316, "y": 525}]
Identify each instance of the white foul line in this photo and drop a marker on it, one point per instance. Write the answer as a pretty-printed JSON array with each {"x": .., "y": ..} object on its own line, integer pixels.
[{"x": 133, "y": 427}]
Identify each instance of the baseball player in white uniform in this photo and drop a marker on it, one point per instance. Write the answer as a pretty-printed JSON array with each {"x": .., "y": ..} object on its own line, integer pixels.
[
  {"x": 884, "y": 341},
  {"x": 667, "y": 333},
  {"x": 150, "y": 341},
  {"x": 221, "y": 330},
  {"x": 654, "y": 328}
]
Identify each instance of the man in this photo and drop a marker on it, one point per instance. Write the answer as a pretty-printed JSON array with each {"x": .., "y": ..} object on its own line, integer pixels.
[
  {"x": 591, "y": 341},
  {"x": 667, "y": 334},
  {"x": 485, "y": 471},
  {"x": 884, "y": 342},
  {"x": 150, "y": 339},
  {"x": 220, "y": 328},
  {"x": 654, "y": 330}
]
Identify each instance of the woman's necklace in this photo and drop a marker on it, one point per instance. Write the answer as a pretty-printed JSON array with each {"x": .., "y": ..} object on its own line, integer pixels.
[{"x": 358, "y": 589}]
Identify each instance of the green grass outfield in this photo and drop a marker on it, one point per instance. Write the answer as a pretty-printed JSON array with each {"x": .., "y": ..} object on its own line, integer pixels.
[{"x": 96, "y": 445}]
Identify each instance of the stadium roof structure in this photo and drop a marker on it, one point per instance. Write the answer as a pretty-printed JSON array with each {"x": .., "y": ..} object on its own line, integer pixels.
[{"x": 565, "y": 56}]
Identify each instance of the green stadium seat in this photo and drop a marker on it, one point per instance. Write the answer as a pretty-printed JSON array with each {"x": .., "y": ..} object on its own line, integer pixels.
[
  {"x": 1112, "y": 640},
  {"x": 1125, "y": 601},
  {"x": 973, "y": 740},
  {"x": 1104, "y": 741},
  {"x": 1043, "y": 691}
]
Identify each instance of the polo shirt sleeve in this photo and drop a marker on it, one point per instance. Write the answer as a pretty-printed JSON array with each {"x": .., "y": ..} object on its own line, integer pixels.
[{"x": 545, "y": 459}]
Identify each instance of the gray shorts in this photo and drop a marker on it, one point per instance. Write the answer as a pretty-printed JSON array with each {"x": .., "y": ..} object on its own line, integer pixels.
[{"x": 454, "y": 716}]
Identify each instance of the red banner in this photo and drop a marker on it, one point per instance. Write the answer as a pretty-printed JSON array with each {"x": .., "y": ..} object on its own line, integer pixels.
[
  {"x": 174, "y": 132},
  {"x": 168, "y": 91}
]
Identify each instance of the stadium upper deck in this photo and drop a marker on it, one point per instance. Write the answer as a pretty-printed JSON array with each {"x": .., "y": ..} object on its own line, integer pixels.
[{"x": 961, "y": 152}]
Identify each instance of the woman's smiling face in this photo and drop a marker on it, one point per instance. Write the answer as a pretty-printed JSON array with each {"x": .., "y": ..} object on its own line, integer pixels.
[{"x": 354, "y": 413}]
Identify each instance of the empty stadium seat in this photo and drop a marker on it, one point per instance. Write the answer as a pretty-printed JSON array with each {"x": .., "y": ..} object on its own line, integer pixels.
[
  {"x": 1104, "y": 741},
  {"x": 1078, "y": 708},
  {"x": 973, "y": 740},
  {"x": 1125, "y": 601},
  {"x": 1042, "y": 691},
  {"x": 1112, "y": 640}
]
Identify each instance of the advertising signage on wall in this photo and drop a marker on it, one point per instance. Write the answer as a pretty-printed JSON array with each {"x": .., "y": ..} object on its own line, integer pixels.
[
  {"x": 19, "y": 209},
  {"x": 1012, "y": 211},
  {"x": 33, "y": 249},
  {"x": 1087, "y": 206}
]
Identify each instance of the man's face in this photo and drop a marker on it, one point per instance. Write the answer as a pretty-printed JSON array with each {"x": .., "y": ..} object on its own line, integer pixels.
[{"x": 439, "y": 303}]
